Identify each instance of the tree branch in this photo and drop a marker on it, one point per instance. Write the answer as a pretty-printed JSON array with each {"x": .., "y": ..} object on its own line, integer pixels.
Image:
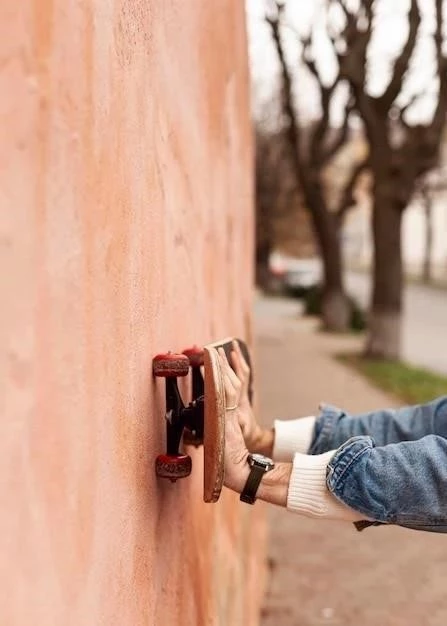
[
  {"x": 341, "y": 137},
  {"x": 308, "y": 61},
  {"x": 292, "y": 131},
  {"x": 352, "y": 62},
  {"x": 401, "y": 63},
  {"x": 439, "y": 116},
  {"x": 347, "y": 199},
  {"x": 319, "y": 154},
  {"x": 325, "y": 93},
  {"x": 317, "y": 137},
  {"x": 403, "y": 109},
  {"x": 423, "y": 142}
]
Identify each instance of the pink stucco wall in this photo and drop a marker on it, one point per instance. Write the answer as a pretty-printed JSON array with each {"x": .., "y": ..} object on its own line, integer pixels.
[{"x": 126, "y": 229}]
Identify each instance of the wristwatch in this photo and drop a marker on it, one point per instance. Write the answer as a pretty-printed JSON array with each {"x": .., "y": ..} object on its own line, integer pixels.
[{"x": 259, "y": 465}]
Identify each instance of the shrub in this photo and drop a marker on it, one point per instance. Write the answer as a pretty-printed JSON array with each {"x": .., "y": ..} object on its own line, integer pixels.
[
  {"x": 312, "y": 301},
  {"x": 312, "y": 306}
]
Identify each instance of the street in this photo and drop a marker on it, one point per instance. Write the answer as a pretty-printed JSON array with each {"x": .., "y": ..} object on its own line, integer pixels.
[{"x": 424, "y": 340}]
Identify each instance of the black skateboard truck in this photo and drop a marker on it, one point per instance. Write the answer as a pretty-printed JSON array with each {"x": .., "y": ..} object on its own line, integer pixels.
[
  {"x": 179, "y": 416},
  {"x": 195, "y": 356}
]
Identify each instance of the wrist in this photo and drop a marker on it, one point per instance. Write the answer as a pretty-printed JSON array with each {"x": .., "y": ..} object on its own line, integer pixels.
[
  {"x": 275, "y": 485},
  {"x": 262, "y": 441},
  {"x": 236, "y": 477}
]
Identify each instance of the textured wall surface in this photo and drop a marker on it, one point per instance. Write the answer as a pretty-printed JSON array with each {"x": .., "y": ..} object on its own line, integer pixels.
[{"x": 126, "y": 215}]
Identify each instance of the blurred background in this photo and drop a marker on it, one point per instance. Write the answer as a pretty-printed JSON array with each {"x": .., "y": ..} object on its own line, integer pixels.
[
  {"x": 349, "y": 103},
  {"x": 349, "y": 106}
]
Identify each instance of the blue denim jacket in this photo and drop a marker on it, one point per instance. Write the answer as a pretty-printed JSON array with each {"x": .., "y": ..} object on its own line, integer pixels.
[{"x": 390, "y": 465}]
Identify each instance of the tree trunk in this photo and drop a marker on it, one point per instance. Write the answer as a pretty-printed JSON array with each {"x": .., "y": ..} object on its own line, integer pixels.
[
  {"x": 426, "y": 268},
  {"x": 262, "y": 274},
  {"x": 384, "y": 340},
  {"x": 335, "y": 310}
]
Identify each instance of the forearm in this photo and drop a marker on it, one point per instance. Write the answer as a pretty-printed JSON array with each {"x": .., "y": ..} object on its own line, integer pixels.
[
  {"x": 300, "y": 486},
  {"x": 403, "y": 483},
  {"x": 399, "y": 483},
  {"x": 274, "y": 484},
  {"x": 328, "y": 431},
  {"x": 386, "y": 426}
]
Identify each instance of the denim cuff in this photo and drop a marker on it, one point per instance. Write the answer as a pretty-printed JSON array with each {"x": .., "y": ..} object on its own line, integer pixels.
[
  {"x": 324, "y": 428},
  {"x": 341, "y": 462},
  {"x": 340, "y": 467}
]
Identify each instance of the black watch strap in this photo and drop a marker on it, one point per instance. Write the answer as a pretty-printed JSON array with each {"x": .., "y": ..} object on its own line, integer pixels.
[{"x": 248, "y": 494}]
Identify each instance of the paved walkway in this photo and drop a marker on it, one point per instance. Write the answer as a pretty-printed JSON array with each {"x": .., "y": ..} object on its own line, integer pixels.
[
  {"x": 326, "y": 573},
  {"x": 424, "y": 324}
]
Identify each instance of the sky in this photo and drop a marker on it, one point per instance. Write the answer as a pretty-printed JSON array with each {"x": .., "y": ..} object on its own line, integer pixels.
[{"x": 387, "y": 40}]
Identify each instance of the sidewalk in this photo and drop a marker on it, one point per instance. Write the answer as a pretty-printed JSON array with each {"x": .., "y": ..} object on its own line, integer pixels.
[{"x": 326, "y": 573}]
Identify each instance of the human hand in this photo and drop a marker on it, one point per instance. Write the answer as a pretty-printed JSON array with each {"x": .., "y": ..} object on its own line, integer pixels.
[
  {"x": 257, "y": 439},
  {"x": 235, "y": 457},
  {"x": 246, "y": 416}
]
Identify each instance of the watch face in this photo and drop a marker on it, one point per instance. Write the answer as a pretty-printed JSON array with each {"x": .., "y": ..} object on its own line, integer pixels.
[{"x": 261, "y": 460}]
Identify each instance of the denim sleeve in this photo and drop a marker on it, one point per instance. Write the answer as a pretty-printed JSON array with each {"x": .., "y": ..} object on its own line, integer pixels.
[
  {"x": 333, "y": 427},
  {"x": 400, "y": 483}
]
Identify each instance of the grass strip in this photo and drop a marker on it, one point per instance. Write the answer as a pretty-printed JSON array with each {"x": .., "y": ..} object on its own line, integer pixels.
[{"x": 412, "y": 385}]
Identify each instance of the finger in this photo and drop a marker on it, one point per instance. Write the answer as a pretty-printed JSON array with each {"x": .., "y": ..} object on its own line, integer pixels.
[
  {"x": 244, "y": 365},
  {"x": 232, "y": 385},
  {"x": 224, "y": 361},
  {"x": 225, "y": 367},
  {"x": 242, "y": 376},
  {"x": 231, "y": 393},
  {"x": 237, "y": 365},
  {"x": 228, "y": 369}
]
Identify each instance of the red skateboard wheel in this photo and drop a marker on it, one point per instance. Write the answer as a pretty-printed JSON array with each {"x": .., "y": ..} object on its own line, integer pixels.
[
  {"x": 195, "y": 356},
  {"x": 170, "y": 365},
  {"x": 173, "y": 467}
]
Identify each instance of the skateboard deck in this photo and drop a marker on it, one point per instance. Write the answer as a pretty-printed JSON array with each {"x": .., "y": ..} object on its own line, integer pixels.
[
  {"x": 202, "y": 420},
  {"x": 214, "y": 417},
  {"x": 213, "y": 427}
]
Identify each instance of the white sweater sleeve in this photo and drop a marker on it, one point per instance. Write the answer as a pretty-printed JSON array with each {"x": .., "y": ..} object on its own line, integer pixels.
[
  {"x": 292, "y": 436},
  {"x": 308, "y": 493}
]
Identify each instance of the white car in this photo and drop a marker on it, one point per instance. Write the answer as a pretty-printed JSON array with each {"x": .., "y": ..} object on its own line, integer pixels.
[{"x": 295, "y": 276}]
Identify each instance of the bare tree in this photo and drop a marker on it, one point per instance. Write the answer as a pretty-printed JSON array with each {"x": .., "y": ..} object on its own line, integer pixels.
[
  {"x": 311, "y": 153},
  {"x": 397, "y": 160},
  {"x": 265, "y": 202},
  {"x": 427, "y": 201},
  {"x": 269, "y": 197},
  {"x": 427, "y": 188}
]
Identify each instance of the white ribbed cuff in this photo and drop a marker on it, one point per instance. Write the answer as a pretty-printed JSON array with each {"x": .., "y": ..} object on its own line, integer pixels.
[
  {"x": 308, "y": 493},
  {"x": 292, "y": 436}
]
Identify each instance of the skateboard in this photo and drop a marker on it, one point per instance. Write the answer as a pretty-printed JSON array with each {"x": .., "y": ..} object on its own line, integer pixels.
[{"x": 202, "y": 420}]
